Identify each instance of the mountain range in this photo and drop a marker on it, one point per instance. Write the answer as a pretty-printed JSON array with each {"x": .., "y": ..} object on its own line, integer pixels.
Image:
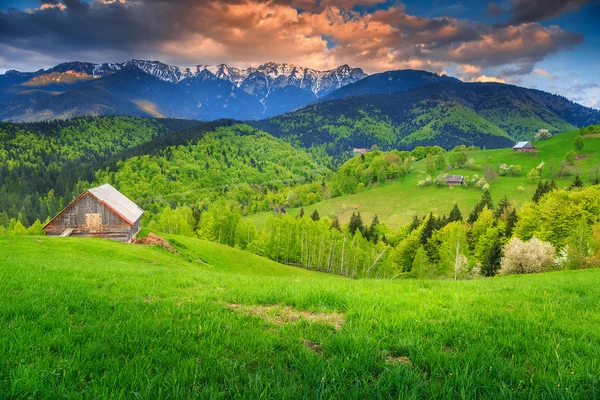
[
  {"x": 335, "y": 110},
  {"x": 152, "y": 88}
]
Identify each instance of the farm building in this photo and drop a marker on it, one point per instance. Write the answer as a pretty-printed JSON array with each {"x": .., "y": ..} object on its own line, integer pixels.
[
  {"x": 360, "y": 151},
  {"x": 524, "y": 147},
  {"x": 454, "y": 180},
  {"x": 100, "y": 212}
]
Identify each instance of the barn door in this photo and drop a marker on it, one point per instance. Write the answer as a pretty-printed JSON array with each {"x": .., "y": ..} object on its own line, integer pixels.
[{"x": 93, "y": 221}]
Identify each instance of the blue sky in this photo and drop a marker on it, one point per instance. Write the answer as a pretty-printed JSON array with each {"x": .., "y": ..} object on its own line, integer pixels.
[{"x": 551, "y": 45}]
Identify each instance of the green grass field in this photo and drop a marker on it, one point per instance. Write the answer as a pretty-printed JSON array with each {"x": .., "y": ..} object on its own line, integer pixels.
[
  {"x": 396, "y": 202},
  {"x": 92, "y": 318}
]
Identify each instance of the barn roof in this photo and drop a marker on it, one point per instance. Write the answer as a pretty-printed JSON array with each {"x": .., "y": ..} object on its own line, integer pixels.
[
  {"x": 521, "y": 145},
  {"x": 454, "y": 178},
  {"x": 117, "y": 202}
]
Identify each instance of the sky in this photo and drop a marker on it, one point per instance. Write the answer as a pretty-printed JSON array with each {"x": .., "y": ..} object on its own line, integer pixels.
[{"x": 551, "y": 45}]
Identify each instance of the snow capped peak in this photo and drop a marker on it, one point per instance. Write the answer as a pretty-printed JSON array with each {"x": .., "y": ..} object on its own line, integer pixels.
[{"x": 258, "y": 81}]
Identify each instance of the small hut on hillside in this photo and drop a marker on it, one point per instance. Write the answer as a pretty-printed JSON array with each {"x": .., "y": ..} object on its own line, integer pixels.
[
  {"x": 100, "y": 212},
  {"x": 454, "y": 180},
  {"x": 357, "y": 151},
  {"x": 524, "y": 147}
]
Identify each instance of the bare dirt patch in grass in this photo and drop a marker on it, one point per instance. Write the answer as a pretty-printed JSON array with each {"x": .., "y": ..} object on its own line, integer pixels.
[
  {"x": 314, "y": 346},
  {"x": 394, "y": 360},
  {"x": 155, "y": 240},
  {"x": 281, "y": 315}
]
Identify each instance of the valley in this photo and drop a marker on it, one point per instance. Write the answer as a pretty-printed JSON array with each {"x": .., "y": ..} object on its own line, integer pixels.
[{"x": 398, "y": 201}]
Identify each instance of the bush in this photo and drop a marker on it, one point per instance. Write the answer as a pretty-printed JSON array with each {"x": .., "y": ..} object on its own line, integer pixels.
[
  {"x": 542, "y": 134},
  {"x": 527, "y": 257},
  {"x": 441, "y": 180},
  {"x": 481, "y": 183},
  {"x": 426, "y": 182},
  {"x": 534, "y": 174}
]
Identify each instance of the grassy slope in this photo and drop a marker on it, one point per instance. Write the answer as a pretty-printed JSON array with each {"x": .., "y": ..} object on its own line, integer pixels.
[
  {"x": 97, "y": 319},
  {"x": 397, "y": 201}
]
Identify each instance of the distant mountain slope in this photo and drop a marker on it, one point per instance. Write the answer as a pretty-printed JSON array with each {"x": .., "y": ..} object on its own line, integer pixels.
[
  {"x": 151, "y": 88},
  {"x": 389, "y": 82},
  {"x": 136, "y": 93},
  {"x": 445, "y": 114}
]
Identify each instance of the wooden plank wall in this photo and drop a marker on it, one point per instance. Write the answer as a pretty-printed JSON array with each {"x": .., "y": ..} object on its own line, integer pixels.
[{"x": 113, "y": 227}]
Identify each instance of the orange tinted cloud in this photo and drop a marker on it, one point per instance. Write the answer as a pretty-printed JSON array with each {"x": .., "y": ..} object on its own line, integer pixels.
[{"x": 318, "y": 35}]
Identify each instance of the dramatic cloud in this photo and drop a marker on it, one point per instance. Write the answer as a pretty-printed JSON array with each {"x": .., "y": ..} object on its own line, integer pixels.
[
  {"x": 540, "y": 10},
  {"x": 321, "y": 34}
]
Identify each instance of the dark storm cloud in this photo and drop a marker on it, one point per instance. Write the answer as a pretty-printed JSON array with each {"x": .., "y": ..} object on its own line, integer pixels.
[{"x": 523, "y": 11}]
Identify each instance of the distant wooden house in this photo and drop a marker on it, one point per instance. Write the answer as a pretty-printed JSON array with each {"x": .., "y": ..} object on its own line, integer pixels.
[
  {"x": 524, "y": 147},
  {"x": 360, "y": 151},
  {"x": 454, "y": 180},
  {"x": 100, "y": 212}
]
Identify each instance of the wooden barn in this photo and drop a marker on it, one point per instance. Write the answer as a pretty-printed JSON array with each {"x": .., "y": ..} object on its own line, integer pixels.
[
  {"x": 454, "y": 180},
  {"x": 524, "y": 147},
  {"x": 100, "y": 212}
]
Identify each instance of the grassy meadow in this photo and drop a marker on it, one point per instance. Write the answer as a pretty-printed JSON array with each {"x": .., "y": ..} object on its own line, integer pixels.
[
  {"x": 94, "y": 318},
  {"x": 397, "y": 201}
]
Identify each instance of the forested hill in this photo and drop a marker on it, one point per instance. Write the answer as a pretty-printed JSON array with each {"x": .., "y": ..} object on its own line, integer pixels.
[
  {"x": 446, "y": 114},
  {"x": 41, "y": 163},
  {"x": 158, "y": 162},
  {"x": 236, "y": 162}
]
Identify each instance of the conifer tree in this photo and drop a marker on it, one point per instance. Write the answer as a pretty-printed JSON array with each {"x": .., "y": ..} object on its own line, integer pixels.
[
  {"x": 511, "y": 221},
  {"x": 372, "y": 235},
  {"x": 415, "y": 223},
  {"x": 335, "y": 224},
  {"x": 455, "y": 214},
  {"x": 355, "y": 224},
  {"x": 503, "y": 206},
  {"x": 301, "y": 213},
  {"x": 486, "y": 200},
  {"x": 491, "y": 264},
  {"x": 428, "y": 229},
  {"x": 315, "y": 216},
  {"x": 577, "y": 183}
]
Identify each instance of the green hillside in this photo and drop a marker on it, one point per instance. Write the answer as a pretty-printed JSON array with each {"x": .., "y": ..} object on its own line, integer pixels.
[
  {"x": 397, "y": 201},
  {"x": 445, "y": 114},
  {"x": 42, "y": 163},
  {"x": 237, "y": 162},
  {"x": 93, "y": 318}
]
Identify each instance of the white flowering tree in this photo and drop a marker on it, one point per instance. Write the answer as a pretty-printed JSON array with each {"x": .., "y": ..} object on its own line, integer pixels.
[{"x": 527, "y": 257}]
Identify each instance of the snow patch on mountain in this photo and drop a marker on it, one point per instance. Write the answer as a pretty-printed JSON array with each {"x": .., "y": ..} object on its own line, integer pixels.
[{"x": 258, "y": 81}]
